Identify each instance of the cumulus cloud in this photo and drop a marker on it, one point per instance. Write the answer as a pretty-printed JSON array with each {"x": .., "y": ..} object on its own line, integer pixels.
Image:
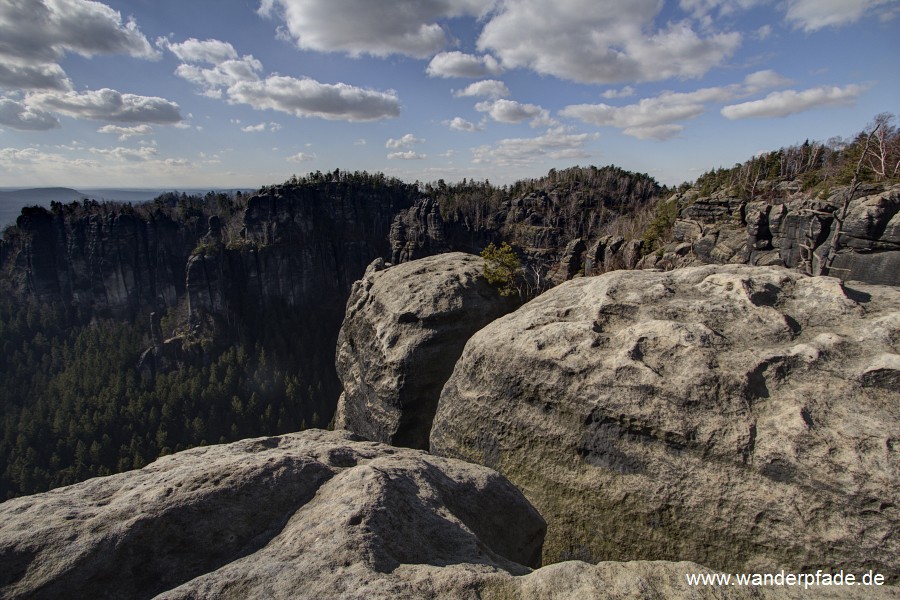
[
  {"x": 109, "y": 105},
  {"x": 460, "y": 124},
  {"x": 812, "y": 15},
  {"x": 261, "y": 127},
  {"x": 788, "y": 102},
  {"x": 33, "y": 77},
  {"x": 193, "y": 50},
  {"x": 407, "y": 141},
  {"x": 510, "y": 111},
  {"x": 301, "y": 157},
  {"x": 459, "y": 64},
  {"x": 701, "y": 9},
  {"x": 36, "y": 34},
  {"x": 490, "y": 88},
  {"x": 130, "y": 154},
  {"x": 658, "y": 117},
  {"x": 126, "y": 132},
  {"x": 239, "y": 81},
  {"x": 309, "y": 98},
  {"x": 556, "y": 143},
  {"x": 408, "y": 155},
  {"x": 625, "y": 92},
  {"x": 601, "y": 41},
  {"x": 224, "y": 74},
  {"x": 407, "y": 27},
  {"x": 17, "y": 115}
]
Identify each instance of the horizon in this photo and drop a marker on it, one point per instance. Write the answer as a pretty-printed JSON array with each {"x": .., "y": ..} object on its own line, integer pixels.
[{"x": 162, "y": 95}]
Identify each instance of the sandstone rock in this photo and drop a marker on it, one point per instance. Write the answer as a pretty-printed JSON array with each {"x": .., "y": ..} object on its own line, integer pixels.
[
  {"x": 404, "y": 329},
  {"x": 101, "y": 260},
  {"x": 741, "y": 417},
  {"x": 310, "y": 515}
]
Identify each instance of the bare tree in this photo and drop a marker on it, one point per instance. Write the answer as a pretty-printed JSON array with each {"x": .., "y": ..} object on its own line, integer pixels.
[{"x": 883, "y": 155}]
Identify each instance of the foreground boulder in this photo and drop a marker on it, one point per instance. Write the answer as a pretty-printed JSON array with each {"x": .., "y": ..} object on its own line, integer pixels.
[
  {"x": 404, "y": 329},
  {"x": 741, "y": 417},
  {"x": 310, "y": 515}
]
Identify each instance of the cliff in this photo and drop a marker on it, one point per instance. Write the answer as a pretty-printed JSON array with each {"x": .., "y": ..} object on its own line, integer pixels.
[
  {"x": 104, "y": 259},
  {"x": 794, "y": 230},
  {"x": 299, "y": 245}
]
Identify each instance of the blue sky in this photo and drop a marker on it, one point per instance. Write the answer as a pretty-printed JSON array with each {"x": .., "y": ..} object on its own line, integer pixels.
[{"x": 241, "y": 93}]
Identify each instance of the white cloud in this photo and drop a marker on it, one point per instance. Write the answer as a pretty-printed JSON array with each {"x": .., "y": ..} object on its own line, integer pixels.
[
  {"x": 301, "y": 157},
  {"x": 193, "y": 50},
  {"x": 360, "y": 142},
  {"x": 510, "y": 111},
  {"x": 36, "y": 34},
  {"x": 238, "y": 81},
  {"x": 261, "y": 127},
  {"x": 222, "y": 75},
  {"x": 408, "y": 155},
  {"x": 109, "y": 105},
  {"x": 130, "y": 154},
  {"x": 555, "y": 143},
  {"x": 407, "y": 141},
  {"x": 601, "y": 41},
  {"x": 460, "y": 124},
  {"x": 26, "y": 165},
  {"x": 33, "y": 77},
  {"x": 764, "y": 80},
  {"x": 408, "y": 27},
  {"x": 41, "y": 31},
  {"x": 309, "y": 98},
  {"x": 19, "y": 116},
  {"x": 812, "y": 15},
  {"x": 126, "y": 132},
  {"x": 625, "y": 92},
  {"x": 782, "y": 104},
  {"x": 490, "y": 88},
  {"x": 459, "y": 64},
  {"x": 701, "y": 9},
  {"x": 763, "y": 33},
  {"x": 657, "y": 118}
]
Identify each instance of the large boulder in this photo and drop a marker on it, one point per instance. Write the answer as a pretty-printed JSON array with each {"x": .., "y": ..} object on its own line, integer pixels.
[
  {"x": 741, "y": 417},
  {"x": 309, "y": 515},
  {"x": 404, "y": 329}
]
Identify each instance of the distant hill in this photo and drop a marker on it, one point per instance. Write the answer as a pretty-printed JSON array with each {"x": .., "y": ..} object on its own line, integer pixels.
[{"x": 13, "y": 200}]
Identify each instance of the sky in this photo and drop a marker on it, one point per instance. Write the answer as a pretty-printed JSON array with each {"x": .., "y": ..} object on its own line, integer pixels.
[{"x": 243, "y": 93}]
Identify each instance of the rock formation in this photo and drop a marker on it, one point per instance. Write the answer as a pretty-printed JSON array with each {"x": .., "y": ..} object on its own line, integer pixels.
[
  {"x": 742, "y": 417},
  {"x": 300, "y": 246},
  {"x": 107, "y": 260},
  {"x": 795, "y": 231},
  {"x": 404, "y": 329},
  {"x": 312, "y": 515},
  {"x": 316, "y": 514}
]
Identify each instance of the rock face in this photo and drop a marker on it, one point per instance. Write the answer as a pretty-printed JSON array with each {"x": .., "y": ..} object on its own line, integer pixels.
[
  {"x": 742, "y": 417},
  {"x": 404, "y": 329},
  {"x": 317, "y": 514},
  {"x": 106, "y": 260},
  {"x": 301, "y": 246},
  {"x": 312, "y": 515},
  {"x": 795, "y": 232}
]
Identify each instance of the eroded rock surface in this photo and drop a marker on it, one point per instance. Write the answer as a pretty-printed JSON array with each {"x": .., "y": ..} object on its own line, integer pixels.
[
  {"x": 742, "y": 417},
  {"x": 404, "y": 329},
  {"x": 310, "y": 515}
]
